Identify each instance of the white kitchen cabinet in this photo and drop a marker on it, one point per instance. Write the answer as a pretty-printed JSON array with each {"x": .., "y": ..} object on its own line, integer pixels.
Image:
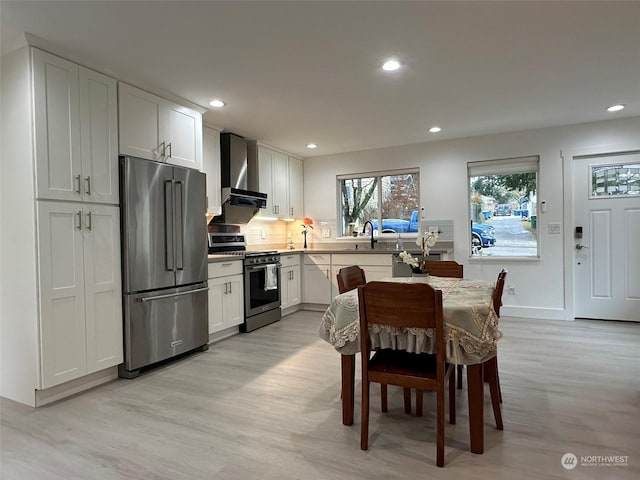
[
  {"x": 80, "y": 290},
  {"x": 226, "y": 295},
  {"x": 295, "y": 188},
  {"x": 76, "y": 144},
  {"x": 376, "y": 266},
  {"x": 273, "y": 172},
  {"x": 291, "y": 284},
  {"x": 316, "y": 286},
  {"x": 157, "y": 129},
  {"x": 211, "y": 166}
]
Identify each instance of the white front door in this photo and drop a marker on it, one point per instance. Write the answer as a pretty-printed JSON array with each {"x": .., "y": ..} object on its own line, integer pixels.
[{"x": 606, "y": 213}]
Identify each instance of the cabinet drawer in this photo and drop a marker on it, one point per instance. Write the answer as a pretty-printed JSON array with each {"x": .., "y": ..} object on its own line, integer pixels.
[
  {"x": 289, "y": 260},
  {"x": 222, "y": 269},
  {"x": 317, "y": 259},
  {"x": 381, "y": 259}
]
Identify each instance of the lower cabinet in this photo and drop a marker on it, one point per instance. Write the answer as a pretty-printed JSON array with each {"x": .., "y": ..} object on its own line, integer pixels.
[
  {"x": 80, "y": 290},
  {"x": 317, "y": 281},
  {"x": 226, "y": 295},
  {"x": 290, "y": 281}
]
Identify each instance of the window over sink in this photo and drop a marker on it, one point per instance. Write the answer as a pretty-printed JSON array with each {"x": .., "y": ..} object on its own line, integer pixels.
[{"x": 390, "y": 200}]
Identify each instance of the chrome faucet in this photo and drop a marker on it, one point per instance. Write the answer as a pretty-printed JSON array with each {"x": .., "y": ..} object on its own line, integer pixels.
[{"x": 364, "y": 229}]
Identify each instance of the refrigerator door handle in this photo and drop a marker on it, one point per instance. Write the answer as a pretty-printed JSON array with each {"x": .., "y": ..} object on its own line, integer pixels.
[
  {"x": 170, "y": 295},
  {"x": 179, "y": 227},
  {"x": 168, "y": 225}
]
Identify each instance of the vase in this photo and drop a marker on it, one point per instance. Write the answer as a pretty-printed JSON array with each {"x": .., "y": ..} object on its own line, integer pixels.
[{"x": 421, "y": 274}]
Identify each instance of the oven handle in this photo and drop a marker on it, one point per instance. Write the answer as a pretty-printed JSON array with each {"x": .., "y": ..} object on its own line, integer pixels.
[{"x": 261, "y": 267}]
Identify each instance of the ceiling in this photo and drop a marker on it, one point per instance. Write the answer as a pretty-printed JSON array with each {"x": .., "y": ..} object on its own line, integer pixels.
[{"x": 309, "y": 71}]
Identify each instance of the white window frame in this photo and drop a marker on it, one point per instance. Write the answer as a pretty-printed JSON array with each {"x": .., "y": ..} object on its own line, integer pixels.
[
  {"x": 380, "y": 173},
  {"x": 504, "y": 166}
]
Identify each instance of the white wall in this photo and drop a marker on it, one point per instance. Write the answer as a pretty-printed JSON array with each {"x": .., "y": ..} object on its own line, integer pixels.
[
  {"x": 539, "y": 284},
  {"x": 18, "y": 308}
]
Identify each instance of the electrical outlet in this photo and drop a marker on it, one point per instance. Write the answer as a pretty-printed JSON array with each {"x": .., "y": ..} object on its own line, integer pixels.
[
  {"x": 511, "y": 290},
  {"x": 326, "y": 232},
  {"x": 434, "y": 229}
]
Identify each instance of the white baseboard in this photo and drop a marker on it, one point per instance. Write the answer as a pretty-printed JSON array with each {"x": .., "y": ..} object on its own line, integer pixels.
[
  {"x": 534, "y": 312},
  {"x": 78, "y": 385}
]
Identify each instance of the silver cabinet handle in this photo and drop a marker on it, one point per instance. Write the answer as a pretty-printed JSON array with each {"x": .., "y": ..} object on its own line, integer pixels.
[
  {"x": 170, "y": 151},
  {"x": 89, "y": 221},
  {"x": 79, "y": 227},
  {"x": 78, "y": 190},
  {"x": 226, "y": 287},
  {"x": 579, "y": 246},
  {"x": 163, "y": 146},
  {"x": 229, "y": 288},
  {"x": 227, "y": 264},
  {"x": 169, "y": 295},
  {"x": 291, "y": 211},
  {"x": 88, "y": 180}
]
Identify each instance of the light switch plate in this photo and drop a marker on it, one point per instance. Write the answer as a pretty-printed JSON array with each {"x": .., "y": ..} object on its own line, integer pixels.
[
  {"x": 326, "y": 232},
  {"x": 554, "y": 228}
]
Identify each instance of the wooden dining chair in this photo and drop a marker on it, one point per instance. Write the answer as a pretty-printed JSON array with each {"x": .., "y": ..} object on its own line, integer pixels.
[
  {"x": 350, "y": 278},
  {"x": 403, "y": 306},
  {"x": 490, "y": 368},
  {"x": 444, "y": 268}
]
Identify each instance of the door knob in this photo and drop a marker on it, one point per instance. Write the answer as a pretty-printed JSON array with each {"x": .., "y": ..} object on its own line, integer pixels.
[{"x": 579, "y": 246}]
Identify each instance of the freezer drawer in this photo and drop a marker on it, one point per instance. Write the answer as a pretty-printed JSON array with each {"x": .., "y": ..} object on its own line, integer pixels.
[{"x": 161, "y": 324}]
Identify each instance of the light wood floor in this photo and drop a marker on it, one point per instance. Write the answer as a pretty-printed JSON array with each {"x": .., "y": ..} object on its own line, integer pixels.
[{"x": 266, "y": 405}]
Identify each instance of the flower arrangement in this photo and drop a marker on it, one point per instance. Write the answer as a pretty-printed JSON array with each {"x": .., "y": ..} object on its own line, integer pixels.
[
  {"x": 425, "y": 242},
  {"x": 306, "y": 223}
]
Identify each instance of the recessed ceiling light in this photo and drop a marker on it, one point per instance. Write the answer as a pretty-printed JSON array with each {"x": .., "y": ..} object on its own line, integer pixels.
[
  {"x": 217, "y": 103},
  {"x": 312, "y": 145},
  {"x": 615, "y": 108},
  {"x": 434, "y": 129},
  {"x": 391, "y": 65}
]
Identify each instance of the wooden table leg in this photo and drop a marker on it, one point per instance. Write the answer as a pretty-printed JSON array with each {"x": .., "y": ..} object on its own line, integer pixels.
[
  {"x": 348, "y": 379},
  {"x": 475, "y": 388}
]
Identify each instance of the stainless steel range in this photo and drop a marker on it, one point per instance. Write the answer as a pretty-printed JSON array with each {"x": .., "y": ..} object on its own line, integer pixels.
[{"x": 261, "y": 276}]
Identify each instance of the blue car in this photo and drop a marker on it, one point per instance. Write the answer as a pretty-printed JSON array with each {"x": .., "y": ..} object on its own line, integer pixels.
[{"x": 482, "y": 235}]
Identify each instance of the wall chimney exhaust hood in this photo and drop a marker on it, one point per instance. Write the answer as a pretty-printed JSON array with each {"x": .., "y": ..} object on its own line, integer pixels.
[{"x": 239, "y": 205}]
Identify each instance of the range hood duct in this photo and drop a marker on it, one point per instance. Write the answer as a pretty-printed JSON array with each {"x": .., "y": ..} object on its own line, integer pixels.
[{"x": 239, "y": 204}]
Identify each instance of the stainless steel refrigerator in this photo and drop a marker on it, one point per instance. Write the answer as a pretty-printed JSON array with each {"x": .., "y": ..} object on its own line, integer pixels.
[{"x": 164, "y": 262}]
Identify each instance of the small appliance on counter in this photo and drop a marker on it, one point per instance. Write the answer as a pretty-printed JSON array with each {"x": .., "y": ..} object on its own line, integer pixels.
[{"x": 261, "y": 275}]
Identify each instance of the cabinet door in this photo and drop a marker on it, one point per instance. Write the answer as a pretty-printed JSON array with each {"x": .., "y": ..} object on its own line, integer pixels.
[
  {"x": 57, "y": 127},
  {"x": 183, "y": 136},
  {"x": 295, "y": 188},
  {"x": 98, "y": 136},
  {"x": 234, "y": 302},
  {"x": 141, "y": 123},
  {"x": 291, "y": 286},
  {"x": 317, "y": 285},
  {"x": 216, "y": 301},
  {"x": 265, "y": 180},
  {"x": 280, "y": 175},
  {"x": 62, "y": 310},
  {"x": 103, "y": 288},
  {"x": 211, "y": 166}
]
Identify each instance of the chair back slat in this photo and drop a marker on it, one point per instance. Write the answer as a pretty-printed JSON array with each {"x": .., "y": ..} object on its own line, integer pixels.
[
  {"x": 497, "y": 292},
  {"x": 350, "y": 278},
  {"x": 444, "y": 268}
]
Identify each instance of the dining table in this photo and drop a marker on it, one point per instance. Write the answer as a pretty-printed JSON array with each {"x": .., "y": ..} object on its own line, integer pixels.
[{"x": 470, "y": 329}]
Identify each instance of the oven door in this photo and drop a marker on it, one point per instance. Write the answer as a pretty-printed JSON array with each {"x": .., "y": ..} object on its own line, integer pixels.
[{"x": 261, "y": 288}]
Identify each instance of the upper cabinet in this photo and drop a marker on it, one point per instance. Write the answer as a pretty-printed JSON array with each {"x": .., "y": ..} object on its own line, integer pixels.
[
  {"x": 211, "y": 166},
  {"x": 280, "y": 177},
  {"x": 156, "y": 129},
  {"x": 295, "y": 188},
  {"x": 76, "y": 143}
]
